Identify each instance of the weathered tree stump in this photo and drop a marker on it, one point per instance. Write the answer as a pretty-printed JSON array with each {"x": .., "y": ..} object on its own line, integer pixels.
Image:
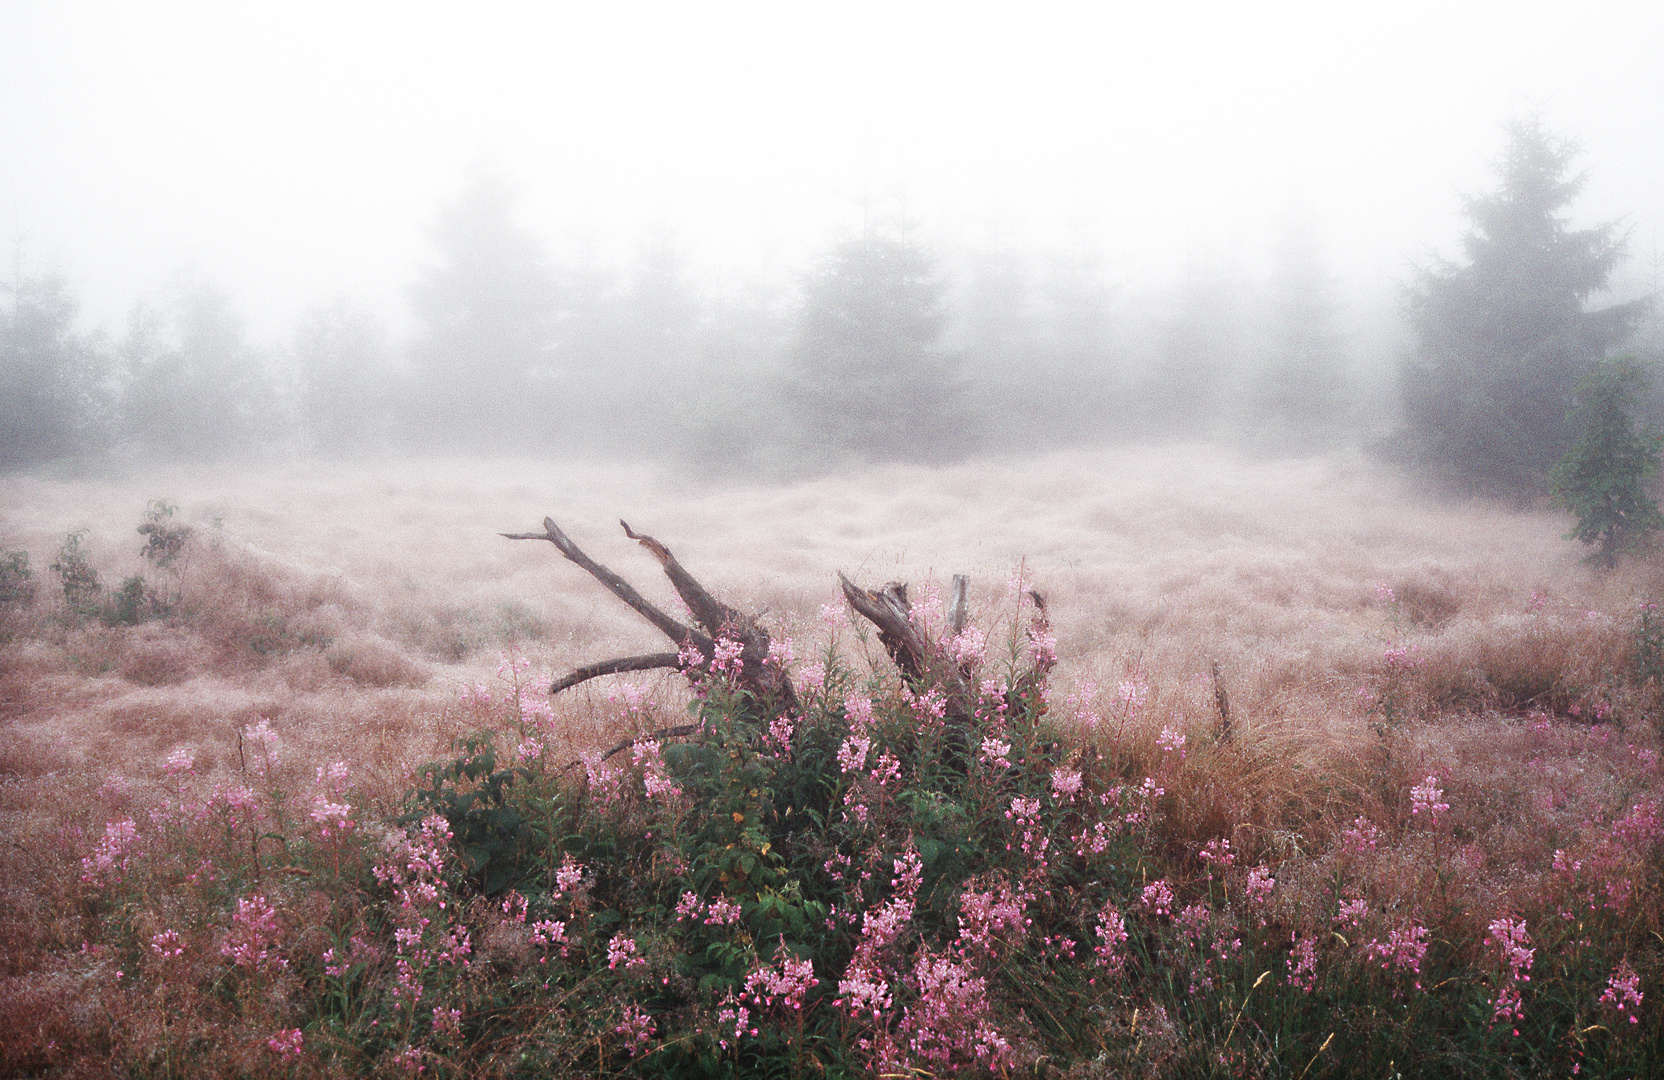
[
  {"x": 924, "y": 663},
  {"x": 767, "y": 682}
]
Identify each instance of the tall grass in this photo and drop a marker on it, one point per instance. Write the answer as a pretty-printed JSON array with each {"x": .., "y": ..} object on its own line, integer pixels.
[{"x": 1435, "y": 823}]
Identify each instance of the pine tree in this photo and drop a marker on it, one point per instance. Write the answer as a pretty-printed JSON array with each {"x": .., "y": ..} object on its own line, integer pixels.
[
  {"x": 1600, "y": 477},
  {"x": 487, "y": 370},
  {"x": 870, "y": 378},
  {"x": 53, "y": 381},
  {"x": 1303, "y": 393},
  {"x": 1501, "y": 342}
]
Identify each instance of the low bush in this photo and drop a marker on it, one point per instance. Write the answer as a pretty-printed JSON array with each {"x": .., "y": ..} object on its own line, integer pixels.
[{"x": 855, "y": 889}]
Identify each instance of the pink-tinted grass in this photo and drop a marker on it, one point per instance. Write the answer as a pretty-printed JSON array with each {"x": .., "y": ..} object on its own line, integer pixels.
[{"x": 1370, "y": 641}]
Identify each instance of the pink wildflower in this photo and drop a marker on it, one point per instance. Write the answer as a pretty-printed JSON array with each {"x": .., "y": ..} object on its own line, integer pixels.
[
  {"x": 287, "y": 1043},
  {"x": 1066, "y": 784},
  {"x": 1218, "y": 855},
  {"x": 167, "y": 944},
  {"x": 637, "y": 1027},
  {"x": 1111, "y": 933},
  {"x": 1158, "y": 897},
  {"x": 811, "y": 678},
  {"x": 110, "y": 859},
  {"x": 968, "y": 647},
  {"x": 550, "y": 934},
  {"x": 621, "y": 951},
  {"x": 1302, "y": 963},
  {"x": 852, "y": 756},
  {"x": 722, "y": 912},
  {"x": 570, "y": 876},
  {"x": 182, "y": 760},
  {"x": 996, "y": 753},
  {"x": 263, "y": 745},
  {"x": 1404, "y": 949},
  {"x": 725, "y": 657},
  {"x": 1360, "y": 837},
  {"x": 447, "y": 1022},
  {"x": 1623, "y": 992},
  {"x": 1510, "y": 939},
  {"x": 1426, "y": 798},
  {"x": 253, "y": 936}
]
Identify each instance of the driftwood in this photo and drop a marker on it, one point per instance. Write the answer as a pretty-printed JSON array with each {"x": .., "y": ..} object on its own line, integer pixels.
[{"x": 769, "y": 685}]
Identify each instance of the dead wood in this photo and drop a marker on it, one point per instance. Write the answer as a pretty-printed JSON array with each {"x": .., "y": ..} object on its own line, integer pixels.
[
  {"x": 925, "y": 664},
  {"x": 769, "y": 686},
  {"x": 1223, "y": 700}
]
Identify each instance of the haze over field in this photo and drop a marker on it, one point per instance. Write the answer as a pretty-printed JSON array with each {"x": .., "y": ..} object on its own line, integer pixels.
[{"x": 299, "y": 153}]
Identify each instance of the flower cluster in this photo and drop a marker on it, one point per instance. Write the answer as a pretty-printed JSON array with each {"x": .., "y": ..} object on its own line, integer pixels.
[
  {"x": 1623, "y": 992},
  {"x": 1510, "y": 939},
  {"x": 1426, "y": 798}
]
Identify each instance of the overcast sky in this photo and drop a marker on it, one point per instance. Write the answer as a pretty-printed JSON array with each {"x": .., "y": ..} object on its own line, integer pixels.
[{"x": 295, "y": 151}]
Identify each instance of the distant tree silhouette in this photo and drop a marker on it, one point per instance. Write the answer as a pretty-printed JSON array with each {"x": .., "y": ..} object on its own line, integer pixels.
[
  {"x": 54, "y": 397},
  {"x": 870, "y": 378},
  {"x": 487, "y": 368},
  {"x": 1302, "y": 392},
  {"x": 1502, "y": 340},
  {"x": 343, "y": 368},
  {"x": 1602, "y": 476},
  {"x": 195, "y": 387},
  {"x": 1193, "y": 389}
]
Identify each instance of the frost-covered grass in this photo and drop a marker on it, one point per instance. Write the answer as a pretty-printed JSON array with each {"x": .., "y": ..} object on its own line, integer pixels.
[{"x": 1430, "y": 848}]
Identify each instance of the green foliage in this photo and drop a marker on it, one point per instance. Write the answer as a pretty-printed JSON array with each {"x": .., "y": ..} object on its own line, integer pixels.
[
  {"x": 841, "y": 893},
  {"x": 17, "y": 578},
  {"x": 1600, "y": 479},
  {"x": 1501, "y": 341},
  {"x": 488, "y": 312},
  {"x": 472, "y": 794},
  {"x": 81, "y": 586},
  {"x": 165, "y": 538}
]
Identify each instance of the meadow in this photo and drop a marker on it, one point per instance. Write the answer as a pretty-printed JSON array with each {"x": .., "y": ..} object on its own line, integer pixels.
[{"x": 301, "y": 806}]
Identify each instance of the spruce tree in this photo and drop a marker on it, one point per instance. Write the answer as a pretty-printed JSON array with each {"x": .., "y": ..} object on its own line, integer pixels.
[
  {"x": 1502, "y": 340},
  {"x": 1600, "y": 479},
  {"x": 870, "y": 379}
]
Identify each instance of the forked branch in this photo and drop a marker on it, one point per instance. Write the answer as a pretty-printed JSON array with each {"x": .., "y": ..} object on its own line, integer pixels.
[{"x": 768, "y": 684}]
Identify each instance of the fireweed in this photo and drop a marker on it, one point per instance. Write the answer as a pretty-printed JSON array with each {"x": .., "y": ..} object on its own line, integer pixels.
[{"x": 837, "y": 890}]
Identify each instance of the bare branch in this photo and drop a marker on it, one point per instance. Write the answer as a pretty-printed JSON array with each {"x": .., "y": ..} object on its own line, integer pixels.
[
  {"x": 711, "y": 613},
  {"x": 620, "y": 588},
  {"x": 613, "y": 667}
]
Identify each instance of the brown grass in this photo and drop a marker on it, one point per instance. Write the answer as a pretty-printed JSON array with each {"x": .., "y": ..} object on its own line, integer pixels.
[{"x": 349, "y": 605}]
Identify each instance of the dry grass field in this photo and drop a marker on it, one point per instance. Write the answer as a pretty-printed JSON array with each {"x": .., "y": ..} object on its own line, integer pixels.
[{"x": 1368, "y": 634}]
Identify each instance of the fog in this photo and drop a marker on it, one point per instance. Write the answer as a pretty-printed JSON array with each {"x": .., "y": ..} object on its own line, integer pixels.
[{"x": 607, "y": 228}]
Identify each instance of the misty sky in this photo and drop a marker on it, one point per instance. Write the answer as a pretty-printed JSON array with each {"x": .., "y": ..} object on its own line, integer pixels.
[{"x": 293, "y": 152}]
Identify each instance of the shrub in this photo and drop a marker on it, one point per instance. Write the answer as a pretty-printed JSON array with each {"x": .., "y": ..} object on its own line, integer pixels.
[
  {"x": 80, "y": 580},
  {"x": 838, "y": 892},
  {"x": 17, "y": 579},
  {"x": 1600, "y": 479}
]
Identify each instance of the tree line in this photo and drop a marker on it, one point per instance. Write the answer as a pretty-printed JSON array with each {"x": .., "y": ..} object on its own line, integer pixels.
[
  {"x": 884, "y": 348},
  {"x": 876, "y": 351}
]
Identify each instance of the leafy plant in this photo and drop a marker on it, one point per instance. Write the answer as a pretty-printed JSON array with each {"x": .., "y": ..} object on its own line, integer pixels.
[
  {"x": 1600, "y": 479},
  {"x": 17, "y": 578},
  {"x": 81, "y": 586}
]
